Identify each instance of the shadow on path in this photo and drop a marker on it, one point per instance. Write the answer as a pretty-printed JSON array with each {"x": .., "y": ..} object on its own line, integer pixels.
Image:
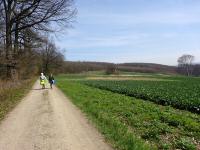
[{"x": 37, "y": 89}]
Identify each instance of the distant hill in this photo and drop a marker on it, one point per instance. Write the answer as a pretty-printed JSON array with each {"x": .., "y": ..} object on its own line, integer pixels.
[
  {"x": 77, "y": 67},
  {"x": 147, "y": 68}
]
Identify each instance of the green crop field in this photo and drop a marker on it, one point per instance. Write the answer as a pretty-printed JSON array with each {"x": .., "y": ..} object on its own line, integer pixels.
[
  {"x": 181, "y": 93},
  {"x": 137, "y": 122}
]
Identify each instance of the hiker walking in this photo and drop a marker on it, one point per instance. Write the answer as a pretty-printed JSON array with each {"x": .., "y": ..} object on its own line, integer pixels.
[
  {"x": 42, "y": 80},
  {"x": 51, "y": 80}
]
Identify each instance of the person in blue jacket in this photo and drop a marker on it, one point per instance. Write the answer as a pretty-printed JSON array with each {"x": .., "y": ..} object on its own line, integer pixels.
[{"x": 51, "y": 80}]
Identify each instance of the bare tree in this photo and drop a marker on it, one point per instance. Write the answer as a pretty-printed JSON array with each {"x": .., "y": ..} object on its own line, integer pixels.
[
  {"x": 185, "y": 63},
  {"x": 37, "y": 15},
  {"x": 111, "y": 69},
  {"x": 52, "y": 58}
]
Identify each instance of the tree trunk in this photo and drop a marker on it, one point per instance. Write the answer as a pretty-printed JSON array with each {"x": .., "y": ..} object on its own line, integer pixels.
[{"x": 8, "y": 42}]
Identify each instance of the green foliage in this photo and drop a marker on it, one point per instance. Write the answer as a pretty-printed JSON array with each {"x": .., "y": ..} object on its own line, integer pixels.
[
  {"x": 185, "y": 144},
  {"x": 133, "y": 124},
  {"x": 183, "y": 93}
]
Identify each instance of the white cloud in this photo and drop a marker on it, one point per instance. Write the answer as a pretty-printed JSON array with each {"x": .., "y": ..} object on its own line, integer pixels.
[{"x": 156, "y": 17}]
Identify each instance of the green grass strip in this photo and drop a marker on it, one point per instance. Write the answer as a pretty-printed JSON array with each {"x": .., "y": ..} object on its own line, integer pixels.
[{"x": 133, "y": 124}]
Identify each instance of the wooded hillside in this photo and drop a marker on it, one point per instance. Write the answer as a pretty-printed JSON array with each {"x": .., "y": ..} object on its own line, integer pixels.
[{"x": 77, "y": 67}]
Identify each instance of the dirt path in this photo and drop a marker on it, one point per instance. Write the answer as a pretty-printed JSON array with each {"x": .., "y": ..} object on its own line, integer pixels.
[{"x": 47, "y": 120}]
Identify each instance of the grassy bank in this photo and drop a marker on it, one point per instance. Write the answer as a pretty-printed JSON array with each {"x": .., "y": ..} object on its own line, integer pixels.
[
  {"x": 134, "y": 124},
  {"x": 12, "y": 93}
]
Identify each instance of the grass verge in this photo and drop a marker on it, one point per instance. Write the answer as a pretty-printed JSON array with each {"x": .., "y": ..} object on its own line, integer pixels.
[
  {"x": 11, "y": 95},
  {"x": 134, "y": 124}
]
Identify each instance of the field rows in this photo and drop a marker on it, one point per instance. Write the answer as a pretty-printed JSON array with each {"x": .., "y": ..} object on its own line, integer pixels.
[{"x": 182, "y": 94}]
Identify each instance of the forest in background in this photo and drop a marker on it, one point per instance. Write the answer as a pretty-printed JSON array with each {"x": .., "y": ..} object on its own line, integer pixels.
[{"x": 112, "y": 68}]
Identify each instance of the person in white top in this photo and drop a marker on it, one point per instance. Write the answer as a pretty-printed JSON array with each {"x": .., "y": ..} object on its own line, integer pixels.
[{"x": 42, "y": 80}]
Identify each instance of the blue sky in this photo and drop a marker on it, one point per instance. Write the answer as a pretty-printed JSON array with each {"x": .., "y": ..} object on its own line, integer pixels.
[{"x": 153, "y": 31}]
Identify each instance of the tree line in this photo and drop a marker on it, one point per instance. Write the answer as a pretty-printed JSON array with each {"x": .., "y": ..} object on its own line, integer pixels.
[
  {"x": 186, "y": 66},
  {"x": 25, "y": 25}
]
